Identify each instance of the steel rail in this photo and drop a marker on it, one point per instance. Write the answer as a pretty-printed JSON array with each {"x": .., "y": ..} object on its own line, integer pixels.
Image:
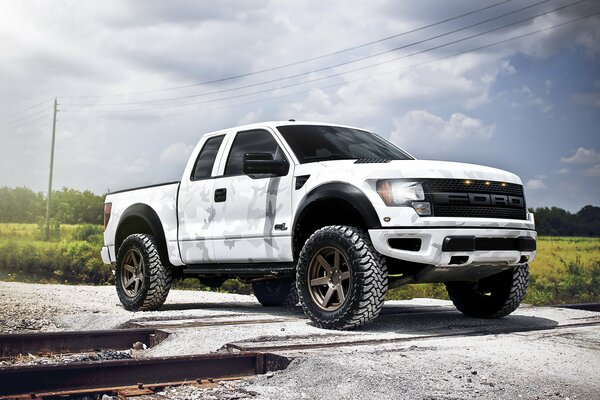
[
  {"x": 76, "y": 341},
  {"x": 274, "y": 346},
  {"x": 35, "y": 380},
  {"x": 581, "y": 306}
]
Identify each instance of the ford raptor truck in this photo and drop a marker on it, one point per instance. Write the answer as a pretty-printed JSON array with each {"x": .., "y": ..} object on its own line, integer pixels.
[{"x": 327, "y": 216}]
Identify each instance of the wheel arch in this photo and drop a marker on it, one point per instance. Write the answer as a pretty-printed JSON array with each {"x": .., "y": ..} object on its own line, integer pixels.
[
  {"x": 334, "y": 203},
  {"x": 141, "y": 218}
]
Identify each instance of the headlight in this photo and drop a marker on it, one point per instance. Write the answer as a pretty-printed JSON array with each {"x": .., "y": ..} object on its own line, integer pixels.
[{"x": 397, "y": 192}]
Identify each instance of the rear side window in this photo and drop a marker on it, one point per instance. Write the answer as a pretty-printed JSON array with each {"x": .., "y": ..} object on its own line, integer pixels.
[
  {"x": 255, "y": 141},
  {"x": 206, "y": 158}
]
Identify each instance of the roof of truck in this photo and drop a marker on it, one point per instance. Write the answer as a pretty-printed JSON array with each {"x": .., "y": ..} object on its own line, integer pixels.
[{"x": 276, "y": 123}]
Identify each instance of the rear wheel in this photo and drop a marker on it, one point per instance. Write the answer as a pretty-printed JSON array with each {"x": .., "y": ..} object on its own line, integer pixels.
[
  {"x": 276, "y": 292},
  {"x": 341, "y": 279},
  {"x": 142, "y": 281},
  {"x": 492, "y": 297}
]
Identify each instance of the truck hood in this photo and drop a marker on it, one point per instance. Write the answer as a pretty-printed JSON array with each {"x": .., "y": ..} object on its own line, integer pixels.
[{"x": 418, "y": 169}]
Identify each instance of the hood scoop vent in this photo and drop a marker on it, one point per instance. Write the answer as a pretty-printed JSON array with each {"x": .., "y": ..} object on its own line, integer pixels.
[{"x": 372, "y": 161}]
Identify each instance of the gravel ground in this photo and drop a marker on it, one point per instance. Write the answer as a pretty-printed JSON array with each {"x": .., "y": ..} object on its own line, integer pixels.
[
  {"x": 529, "y": 359},
  {"x": 28, "y": 307}
]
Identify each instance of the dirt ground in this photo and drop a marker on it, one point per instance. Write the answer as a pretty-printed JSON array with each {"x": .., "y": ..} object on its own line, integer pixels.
[{"x": 419, "y": 349}]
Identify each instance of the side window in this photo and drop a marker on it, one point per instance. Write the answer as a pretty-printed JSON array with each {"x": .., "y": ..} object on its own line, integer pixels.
[
  {"x": 206, "y": 158},
  {"x": 255, "y": 141}
]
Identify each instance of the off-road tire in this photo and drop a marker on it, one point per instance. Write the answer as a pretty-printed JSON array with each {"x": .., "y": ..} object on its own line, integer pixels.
[
  {"x": 157, "y": 278},
  {"x": 367, "y": 285},
  {"x": 492, "y": 297},
  {"x": 276, "y": 292}
]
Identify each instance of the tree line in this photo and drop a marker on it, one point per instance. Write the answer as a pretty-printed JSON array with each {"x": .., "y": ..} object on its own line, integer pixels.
[
  {"x": 555, "y": 221},
  {"x": 69, "y": 206}
]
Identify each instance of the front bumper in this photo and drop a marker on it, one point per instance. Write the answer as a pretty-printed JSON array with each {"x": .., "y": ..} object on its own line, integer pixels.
[{"x": 433, "y": 250}]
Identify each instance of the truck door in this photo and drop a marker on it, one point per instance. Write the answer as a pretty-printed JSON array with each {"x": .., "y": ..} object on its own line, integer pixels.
[
  {"x": 195, "y": 205},
  {"x": 253, "y": 216}
]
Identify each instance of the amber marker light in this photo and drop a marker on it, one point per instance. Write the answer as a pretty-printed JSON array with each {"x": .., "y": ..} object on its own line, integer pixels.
[
  {"x": 504, "y": 184},
  {"x": 467, "y": 182},
  {"x": 488, "y": 183},
  {"x": 107, "y": 212}
]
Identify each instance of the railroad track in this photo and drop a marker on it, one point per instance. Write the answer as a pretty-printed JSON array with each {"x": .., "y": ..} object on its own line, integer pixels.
[
  {"x": 309, "y": 343},
  {"x": 47, "y": 343},
  {"x": 130, "y": 376},
  {"x": 136, "y": 376}
]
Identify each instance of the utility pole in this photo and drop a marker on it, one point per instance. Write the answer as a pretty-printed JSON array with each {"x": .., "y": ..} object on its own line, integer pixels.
[{"x": 49, "y": 197}]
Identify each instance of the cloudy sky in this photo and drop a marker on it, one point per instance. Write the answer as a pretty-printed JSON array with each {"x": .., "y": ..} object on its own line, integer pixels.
[{"x": 510, "y": 84}]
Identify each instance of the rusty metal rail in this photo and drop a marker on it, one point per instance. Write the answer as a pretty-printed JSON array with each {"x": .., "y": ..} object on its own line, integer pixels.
[
  {"x": 290, "y": 347},
  {"x": 36, "y": 380},
  {"x": 76, "y": 342},
  {"x": 581, "y": 306}
]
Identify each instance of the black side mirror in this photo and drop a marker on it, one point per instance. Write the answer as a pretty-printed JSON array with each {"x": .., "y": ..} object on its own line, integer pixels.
[{"x": 263, "y": 163}]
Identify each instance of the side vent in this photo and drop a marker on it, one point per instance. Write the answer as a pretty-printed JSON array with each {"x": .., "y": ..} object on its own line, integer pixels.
[{"x": 301, "y": 180}]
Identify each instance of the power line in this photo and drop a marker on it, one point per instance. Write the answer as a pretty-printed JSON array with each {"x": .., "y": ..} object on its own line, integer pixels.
[
  {"x": 23, "y": 118},
  {"x": 483, "y": 47},
  {"x": 338, "y": 64},
  {"x": 270, "y": 69},
  {"x": 26, "y": 109},
  {"x": 23, "y": 124},
  {"x": 345, "y": 72}
]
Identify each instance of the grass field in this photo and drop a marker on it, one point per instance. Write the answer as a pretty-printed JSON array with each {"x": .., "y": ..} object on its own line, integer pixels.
[{"x": 566, "y": 269}]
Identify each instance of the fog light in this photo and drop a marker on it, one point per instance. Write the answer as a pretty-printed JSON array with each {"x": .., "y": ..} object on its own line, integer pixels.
[{"x": 422, "y": 208}]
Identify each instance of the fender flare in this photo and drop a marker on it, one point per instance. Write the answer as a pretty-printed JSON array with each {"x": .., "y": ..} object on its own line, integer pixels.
[
  {"x": 149, "y": 216},
  {"x": 343, "y": 191}
]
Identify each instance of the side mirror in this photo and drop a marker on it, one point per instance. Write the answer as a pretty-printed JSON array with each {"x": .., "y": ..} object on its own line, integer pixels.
[{"x": 263, "y": 163}]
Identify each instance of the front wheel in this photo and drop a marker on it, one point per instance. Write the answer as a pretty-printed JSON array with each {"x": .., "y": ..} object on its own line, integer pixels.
[
  {"x": 492, "y": 297},
  {"x": 142, "y": 280},
  {"x": 341, "y": 279}
]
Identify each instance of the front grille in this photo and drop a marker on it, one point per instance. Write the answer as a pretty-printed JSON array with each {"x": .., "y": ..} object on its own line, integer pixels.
[
  {"x": 468, "y": 198},
  {"x": 472, "y": 243},
  {"x": 479, "y": 212},
  {"x": 473, "y": 186}
]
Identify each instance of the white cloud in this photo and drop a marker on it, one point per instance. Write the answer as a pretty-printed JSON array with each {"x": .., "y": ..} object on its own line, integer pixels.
[
  {"x": 419, "y": 126},
  {"x": 593, "y": 171},
  {"x": 583, "y": 156},
  {"x": 535, "y": 184},
  {"x": 527, "y": 97},
  {"x": 564, "y": 171},
  {"x": 251, "y": 117},
  {"x": 589, "y": 99},
  {"x": 176, "y": 154}
]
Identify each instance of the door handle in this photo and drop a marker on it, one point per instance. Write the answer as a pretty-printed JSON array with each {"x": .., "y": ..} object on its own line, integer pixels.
[{"x": 220, "y": 195}]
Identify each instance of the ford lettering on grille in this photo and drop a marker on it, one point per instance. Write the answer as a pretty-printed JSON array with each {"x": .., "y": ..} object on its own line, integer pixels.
[{"x": 478, "y": 199}]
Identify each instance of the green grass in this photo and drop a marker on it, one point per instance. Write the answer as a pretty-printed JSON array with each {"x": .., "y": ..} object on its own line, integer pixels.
[
  {"x": 566, "y": 269},
  {"x": 73, "y": 256}
]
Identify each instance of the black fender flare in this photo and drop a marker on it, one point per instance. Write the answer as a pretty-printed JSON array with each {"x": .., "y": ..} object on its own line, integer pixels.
[
  {"x": 149, "y": 216},
  {"x": 343, "y": 191}
]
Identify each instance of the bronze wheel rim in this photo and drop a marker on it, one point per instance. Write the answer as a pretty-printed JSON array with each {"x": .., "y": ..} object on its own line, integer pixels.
[
  {"x": 132, "y": 273},
  {"x": 329, "y": 279}
]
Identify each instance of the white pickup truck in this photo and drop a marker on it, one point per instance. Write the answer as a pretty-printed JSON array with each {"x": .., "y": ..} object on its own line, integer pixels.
[{"x": 325, "y": 215}]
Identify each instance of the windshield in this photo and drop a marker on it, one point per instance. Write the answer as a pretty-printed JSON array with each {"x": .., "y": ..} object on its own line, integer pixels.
[{"x": 319, "y": 143}]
